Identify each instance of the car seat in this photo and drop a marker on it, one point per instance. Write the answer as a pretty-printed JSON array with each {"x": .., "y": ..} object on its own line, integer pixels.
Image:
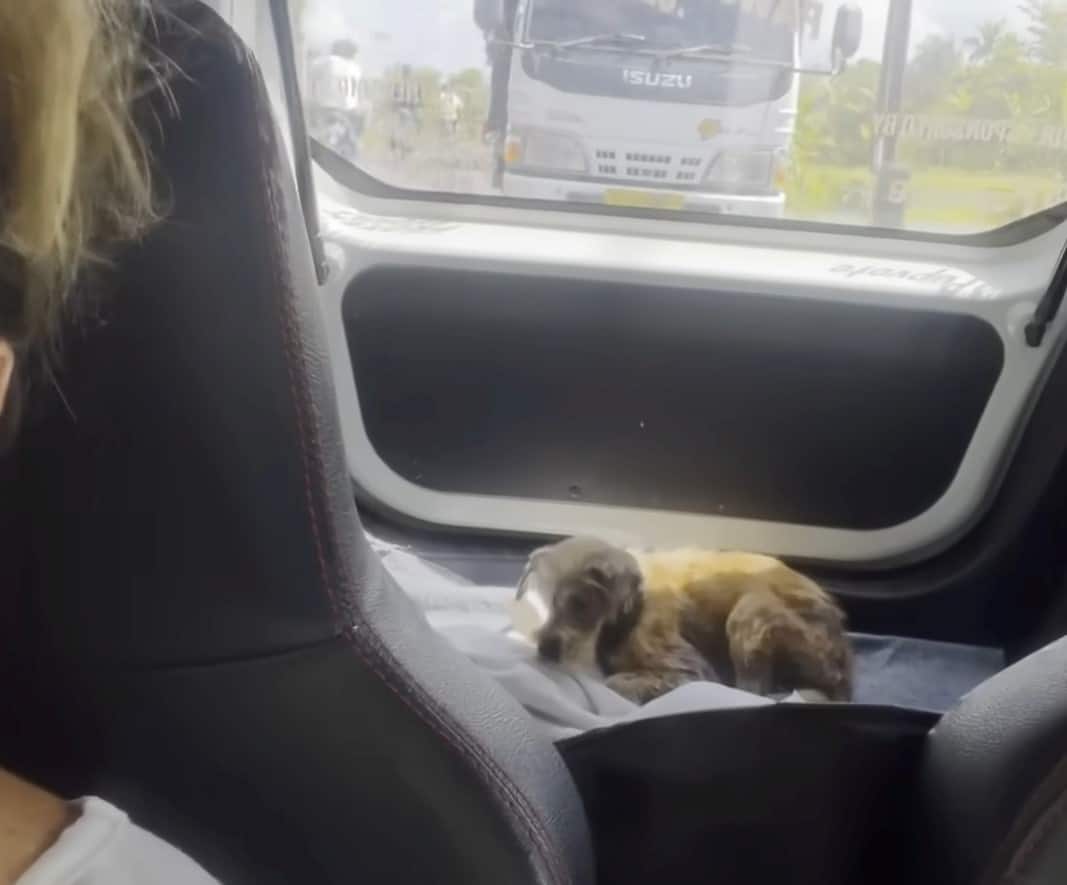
[{"x": 201, "y": 633}]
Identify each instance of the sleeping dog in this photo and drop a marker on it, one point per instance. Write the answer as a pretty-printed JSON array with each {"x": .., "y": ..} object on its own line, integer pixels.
[{"x": 653, "y": 621}]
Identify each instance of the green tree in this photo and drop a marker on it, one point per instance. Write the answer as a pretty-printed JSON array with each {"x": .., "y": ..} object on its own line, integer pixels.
[
  {"x": 852, "y": 97},
  {"x": 1047, "y": 29},
  {"x": 983, "y": 45},
  {"x": 835, "y": 118},
  {"x": 811, "y": 139},
  {"x": 931, "y": 72}
]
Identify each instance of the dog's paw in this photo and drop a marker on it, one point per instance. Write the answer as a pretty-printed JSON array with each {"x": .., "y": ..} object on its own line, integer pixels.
[
  {"x": 644, "y": 687},
  {"x": 635, "y": 687},
  {"x": 813, "y": 696}
]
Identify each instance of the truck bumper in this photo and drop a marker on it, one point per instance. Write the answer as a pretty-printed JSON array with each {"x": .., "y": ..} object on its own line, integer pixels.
[{"x": 603, "y": 194}]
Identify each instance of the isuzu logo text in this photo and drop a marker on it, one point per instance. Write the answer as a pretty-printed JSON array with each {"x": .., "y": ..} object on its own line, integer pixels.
[{"x": 655, "y": 78}]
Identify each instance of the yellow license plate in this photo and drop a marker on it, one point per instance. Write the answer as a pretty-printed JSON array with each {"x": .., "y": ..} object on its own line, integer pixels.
[{"x": 643, "y": 199}]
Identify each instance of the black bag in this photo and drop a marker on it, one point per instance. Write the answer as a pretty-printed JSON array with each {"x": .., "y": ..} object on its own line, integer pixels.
[{"x": 789, "y": 794}]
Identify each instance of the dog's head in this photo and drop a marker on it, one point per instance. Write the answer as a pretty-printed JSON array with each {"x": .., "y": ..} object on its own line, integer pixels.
[{"x": 589, "y": 585}]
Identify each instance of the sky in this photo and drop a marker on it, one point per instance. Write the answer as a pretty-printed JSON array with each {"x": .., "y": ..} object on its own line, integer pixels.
[
  {"x": 953, "y": 18},
  {"x": 442, "y": 34}
]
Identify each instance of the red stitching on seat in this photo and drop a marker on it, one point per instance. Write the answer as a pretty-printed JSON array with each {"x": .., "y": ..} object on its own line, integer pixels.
[
  {"x": 374, "y": 654},
  {"x": 1036, "y": 836}
]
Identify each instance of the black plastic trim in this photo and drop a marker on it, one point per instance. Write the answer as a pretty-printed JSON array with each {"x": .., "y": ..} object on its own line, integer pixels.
[
  {"x": 751, "y": 406},
  {"x": 1050, "y": 303},
  {"x": 305, "y": 181}
]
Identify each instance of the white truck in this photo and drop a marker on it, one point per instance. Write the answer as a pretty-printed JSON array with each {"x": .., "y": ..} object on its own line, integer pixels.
[
  {"x": 337, "y": 101},
  {"x": 661, "y": 104}
]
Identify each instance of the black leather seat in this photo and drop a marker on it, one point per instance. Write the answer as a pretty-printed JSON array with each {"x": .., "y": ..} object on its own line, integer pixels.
[
  {"x": 994, "y": 779},
  {"x": 202, "y": 634}
]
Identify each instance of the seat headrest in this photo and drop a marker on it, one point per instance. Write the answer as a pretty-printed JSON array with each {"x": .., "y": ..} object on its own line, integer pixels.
[
  {"x": 197, "y": 574},
  {"x": 180, "y": 439}
]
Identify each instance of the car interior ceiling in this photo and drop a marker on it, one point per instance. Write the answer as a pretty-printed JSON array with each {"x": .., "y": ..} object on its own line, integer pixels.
[{"x": 203, "y": 632}]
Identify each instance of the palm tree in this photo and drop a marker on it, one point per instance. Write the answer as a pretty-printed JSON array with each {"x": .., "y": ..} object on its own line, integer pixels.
[
  {"x": 983, "y": 45},
  {"x": 1047, "y": 29},
  {"x": 931, "y": 70}
]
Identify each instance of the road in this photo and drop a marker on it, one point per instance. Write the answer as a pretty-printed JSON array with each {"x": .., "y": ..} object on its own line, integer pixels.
[{"x": 436, "y": 163}]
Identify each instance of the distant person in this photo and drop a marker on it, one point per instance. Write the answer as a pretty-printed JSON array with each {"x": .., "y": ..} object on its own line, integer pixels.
[
  {"x": 407, "y": 92},
  {"x": 407, "y": 105},
  {"x": 451, "y": 110},
  {"x": 336, "y": 108}
]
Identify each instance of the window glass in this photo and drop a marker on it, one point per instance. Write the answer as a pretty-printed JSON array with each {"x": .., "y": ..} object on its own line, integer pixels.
[{"x": 947, "y": 116}]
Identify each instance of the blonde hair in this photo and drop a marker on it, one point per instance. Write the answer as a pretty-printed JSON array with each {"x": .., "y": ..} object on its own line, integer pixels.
[{"x": 74, "y": 173}]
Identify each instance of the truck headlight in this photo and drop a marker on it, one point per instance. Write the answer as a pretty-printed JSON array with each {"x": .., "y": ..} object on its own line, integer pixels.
[
  {"x": 745, "y": 169},
  {"x": 543, "y": 149}
]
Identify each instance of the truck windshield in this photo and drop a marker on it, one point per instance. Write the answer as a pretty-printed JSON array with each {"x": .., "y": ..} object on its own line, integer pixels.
[{"x": 760, "y": 28}]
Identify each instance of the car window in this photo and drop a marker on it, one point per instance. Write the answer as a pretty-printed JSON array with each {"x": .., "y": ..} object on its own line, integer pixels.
[{"x": 930, "y": 115}]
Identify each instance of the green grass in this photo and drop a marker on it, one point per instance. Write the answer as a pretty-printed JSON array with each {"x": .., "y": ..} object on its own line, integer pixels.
[{"x": 937, "y": 197}]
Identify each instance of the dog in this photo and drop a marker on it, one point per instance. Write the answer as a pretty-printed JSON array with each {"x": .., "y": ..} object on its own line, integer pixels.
[{"x": 652, "y": 621}]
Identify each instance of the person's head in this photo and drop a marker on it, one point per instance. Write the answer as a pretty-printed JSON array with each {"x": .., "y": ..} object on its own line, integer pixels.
[
  {"x": 74, "y": 175},
  {"x": 405, "y": 70},
  {"x": 344, "y": 48}
]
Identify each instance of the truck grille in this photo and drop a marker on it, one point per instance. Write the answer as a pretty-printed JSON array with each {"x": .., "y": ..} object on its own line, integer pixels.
[{"x": 649, "y": 166}]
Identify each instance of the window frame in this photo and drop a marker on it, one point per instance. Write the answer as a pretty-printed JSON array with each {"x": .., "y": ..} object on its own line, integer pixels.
[{"x": 361, "y": 182}]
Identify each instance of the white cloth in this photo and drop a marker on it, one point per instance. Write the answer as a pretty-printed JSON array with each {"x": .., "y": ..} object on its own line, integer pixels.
[
  {"x": 479, "y": 622},
  {"x": 103, "y": 847}
]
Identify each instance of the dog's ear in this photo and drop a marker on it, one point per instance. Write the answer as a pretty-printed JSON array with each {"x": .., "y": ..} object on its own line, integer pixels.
[
  {"x": 633, "y": 584},
  {"x": 532, "y": 563},
  {"x": 600, "y": 575},
  {"x": 631, "y": 603},
  {"x": 615, "y": 573},
  {"x": 622, "y": 620}
]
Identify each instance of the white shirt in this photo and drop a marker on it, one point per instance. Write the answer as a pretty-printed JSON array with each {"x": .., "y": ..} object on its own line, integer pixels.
[
  {"x": 103, "y": 847},
  {"x": 335, "y": 83},
  {"x": 451, "y": 106}
]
